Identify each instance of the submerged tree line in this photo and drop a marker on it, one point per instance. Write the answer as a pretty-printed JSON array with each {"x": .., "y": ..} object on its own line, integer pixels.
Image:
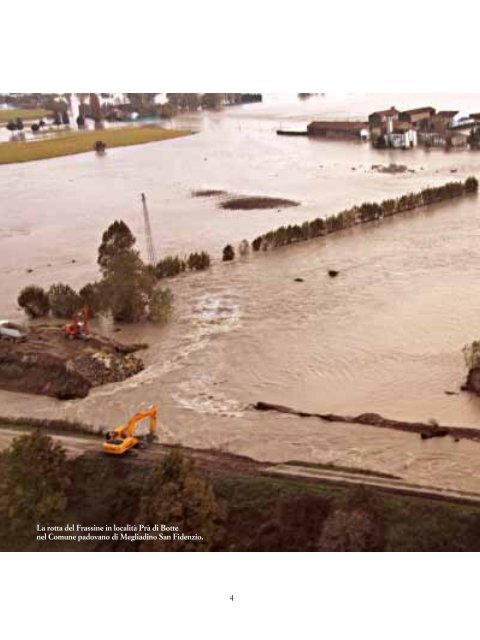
[
  {"x": 367, "y": 212},
  {"x": 173, "y": 265},
  {"x": 128, "y": 289}
]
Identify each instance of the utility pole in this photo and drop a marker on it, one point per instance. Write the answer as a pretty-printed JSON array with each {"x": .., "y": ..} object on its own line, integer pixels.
[{"x": 148, "y": 233}]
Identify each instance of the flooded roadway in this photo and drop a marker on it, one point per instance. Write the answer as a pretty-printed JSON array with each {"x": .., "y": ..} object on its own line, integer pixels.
[{"x": 386, "y": 336}]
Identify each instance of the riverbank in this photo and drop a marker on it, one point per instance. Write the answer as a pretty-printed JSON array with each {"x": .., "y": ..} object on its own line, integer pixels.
[
  {"x": 290, "y": 507},
  {"x": 74, "y": 142},
  {"x": 362, "y": 214},
  {"x": 49, "y": 364},
  {"x": 425, "y": 430}
]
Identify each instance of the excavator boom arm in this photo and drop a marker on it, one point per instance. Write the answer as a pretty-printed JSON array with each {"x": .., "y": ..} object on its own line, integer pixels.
[
  {"x": 131, "y": 426},
  {"x": 123, "y": 438}
]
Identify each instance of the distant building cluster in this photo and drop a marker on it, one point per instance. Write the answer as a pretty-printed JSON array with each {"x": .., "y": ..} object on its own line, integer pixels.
[
  {"x": 406, "y": 129},
  {"x": 339, "y": 129}
]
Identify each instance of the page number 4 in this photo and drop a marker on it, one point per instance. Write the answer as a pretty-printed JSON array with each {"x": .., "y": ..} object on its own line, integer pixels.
[{"x": 231, "y": 598}]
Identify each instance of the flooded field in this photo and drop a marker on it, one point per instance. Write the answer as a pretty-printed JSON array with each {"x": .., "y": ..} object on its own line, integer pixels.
[{"x": 385, "y": 336}]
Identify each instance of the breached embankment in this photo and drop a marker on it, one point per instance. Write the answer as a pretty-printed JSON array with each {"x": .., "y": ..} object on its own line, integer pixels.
[
  {"x": 365, "y": 213},
  {"x": 49, "y": 364},
  {"x": 425, "y": 430}
]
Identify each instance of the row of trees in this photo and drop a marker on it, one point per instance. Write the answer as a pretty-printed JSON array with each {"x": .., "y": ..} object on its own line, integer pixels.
[
  {"x": 58, "y": 119},
  {"x": 171, "y": 266},
  {"x": 146, "y": 105},
  {"x": 195, "y": 101},
  {"x": 367, "y": 212},
  {"x": 127, "y": 290},
  {"x": 47, "y": 101},
  {"x": 60, "y": 300}
]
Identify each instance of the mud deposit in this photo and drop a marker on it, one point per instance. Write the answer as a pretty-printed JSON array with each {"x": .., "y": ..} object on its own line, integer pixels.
[
  {"x": 257, "y": 202},
  {"x": 207, "y": 193},
  {"x": 49, "y": 364}
]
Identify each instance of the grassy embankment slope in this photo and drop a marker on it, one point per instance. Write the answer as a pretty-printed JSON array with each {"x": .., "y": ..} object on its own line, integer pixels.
[
  {"x": 73, "y": 142},
  {"x": 25, "y": 114},
  {"x": 282, "y": 514}
]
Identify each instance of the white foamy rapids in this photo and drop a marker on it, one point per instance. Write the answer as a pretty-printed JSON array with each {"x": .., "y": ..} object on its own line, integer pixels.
[
  {"x": 211, "y": 315},
  {"x": 197, "y": 395}
]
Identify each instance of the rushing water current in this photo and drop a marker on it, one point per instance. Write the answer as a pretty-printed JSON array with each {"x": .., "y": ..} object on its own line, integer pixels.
[{"x": 385, "y": 336}]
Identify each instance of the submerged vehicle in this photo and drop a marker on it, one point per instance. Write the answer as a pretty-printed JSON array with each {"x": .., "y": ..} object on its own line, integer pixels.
[{"x": 126, "y": 437}]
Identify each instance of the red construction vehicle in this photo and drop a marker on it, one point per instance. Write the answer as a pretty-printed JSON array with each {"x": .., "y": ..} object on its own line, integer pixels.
[{"x": 78, "y": 329}]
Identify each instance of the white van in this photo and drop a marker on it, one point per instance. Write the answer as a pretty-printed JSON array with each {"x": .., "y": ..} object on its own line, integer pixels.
[{"x": 11, "y": 331}]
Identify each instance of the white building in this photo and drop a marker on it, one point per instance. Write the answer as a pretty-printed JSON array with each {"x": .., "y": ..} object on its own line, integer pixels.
[
  {"x": 401, "y": 139},
  {"x": 365, "y": 134}
]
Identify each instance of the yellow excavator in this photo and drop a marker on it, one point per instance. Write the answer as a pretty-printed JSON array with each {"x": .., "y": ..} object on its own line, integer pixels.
[{"x": 124, "y": 438}]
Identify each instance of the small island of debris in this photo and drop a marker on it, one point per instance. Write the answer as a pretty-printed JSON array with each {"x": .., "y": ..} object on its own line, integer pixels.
[{"x": 257, "y": 202}]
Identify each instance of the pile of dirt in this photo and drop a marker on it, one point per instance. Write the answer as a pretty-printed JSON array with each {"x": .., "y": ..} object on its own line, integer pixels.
[
  {"x": 49, "y": 364},
  {"x": 207, "y": 193},
  {"x": 257, "y": 202},
  {"x": 102, "y": 367}
]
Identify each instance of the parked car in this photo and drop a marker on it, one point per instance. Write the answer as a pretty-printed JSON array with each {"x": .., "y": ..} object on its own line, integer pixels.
[{"x": 12, "y": 332}]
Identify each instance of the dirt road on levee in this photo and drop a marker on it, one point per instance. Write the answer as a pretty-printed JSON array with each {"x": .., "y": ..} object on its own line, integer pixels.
[{"x": 215, "y": 462}]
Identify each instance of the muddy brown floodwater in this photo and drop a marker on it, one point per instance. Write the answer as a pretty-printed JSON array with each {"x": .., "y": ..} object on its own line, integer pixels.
[{"x": 385, "y": 336}]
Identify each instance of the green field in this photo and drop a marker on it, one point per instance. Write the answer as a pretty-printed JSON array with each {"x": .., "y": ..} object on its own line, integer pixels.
[
  {"x": 69, "y": 143},
  {"x": 25, "y": 114}
]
